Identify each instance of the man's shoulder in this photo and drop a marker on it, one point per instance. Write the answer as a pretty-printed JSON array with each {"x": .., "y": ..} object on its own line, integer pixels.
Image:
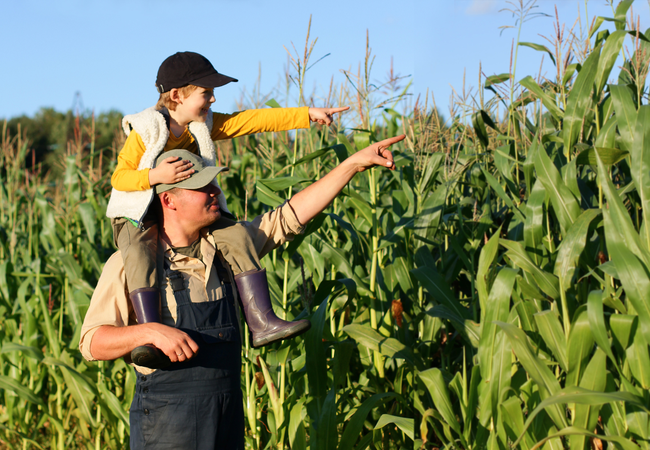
[{"x": 114, "y": 263}]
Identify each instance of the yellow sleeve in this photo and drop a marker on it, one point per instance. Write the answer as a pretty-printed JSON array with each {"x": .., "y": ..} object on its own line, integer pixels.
[
  {"x": 127, "y": 177},
  {"x": 226, "y": 126}
]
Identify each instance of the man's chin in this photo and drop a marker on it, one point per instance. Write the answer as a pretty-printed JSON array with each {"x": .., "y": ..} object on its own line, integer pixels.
[{"x": 216, "y": 215}]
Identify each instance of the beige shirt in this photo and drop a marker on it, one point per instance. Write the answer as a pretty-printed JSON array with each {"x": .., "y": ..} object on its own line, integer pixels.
[{"x": 110, "y": 303}]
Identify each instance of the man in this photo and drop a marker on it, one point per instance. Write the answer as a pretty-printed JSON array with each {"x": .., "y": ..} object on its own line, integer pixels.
[{"x": 196, "y": 402}]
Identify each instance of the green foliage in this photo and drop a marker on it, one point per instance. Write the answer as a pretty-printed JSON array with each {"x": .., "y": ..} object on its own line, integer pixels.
[{"x": 489, "y": 293}]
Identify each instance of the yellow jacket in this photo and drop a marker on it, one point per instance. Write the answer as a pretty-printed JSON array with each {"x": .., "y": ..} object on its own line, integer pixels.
[{"x": 128, "y": 178}]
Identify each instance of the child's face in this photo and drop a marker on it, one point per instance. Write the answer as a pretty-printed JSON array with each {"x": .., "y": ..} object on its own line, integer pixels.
[{"x": 195, "y": 106}]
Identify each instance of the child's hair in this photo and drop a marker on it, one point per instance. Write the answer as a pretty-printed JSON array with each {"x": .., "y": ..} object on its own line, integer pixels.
[{"x": 166, "y": 101}]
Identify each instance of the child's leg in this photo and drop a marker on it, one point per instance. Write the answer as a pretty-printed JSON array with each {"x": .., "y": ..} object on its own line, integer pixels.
[
  {"x": 238, "y": 249},
  {"x": 139, "y": 249}
]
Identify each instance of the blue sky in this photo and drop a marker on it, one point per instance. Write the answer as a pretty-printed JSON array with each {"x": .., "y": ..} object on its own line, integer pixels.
[{"x": 109, "y": 51}]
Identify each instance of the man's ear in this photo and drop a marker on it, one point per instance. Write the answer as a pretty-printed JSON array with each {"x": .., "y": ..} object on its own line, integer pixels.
[{"x": 167, "y": 201}]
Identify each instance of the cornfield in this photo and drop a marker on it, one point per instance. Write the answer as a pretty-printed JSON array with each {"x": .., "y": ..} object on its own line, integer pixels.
[{"x": 492, "y": 292}]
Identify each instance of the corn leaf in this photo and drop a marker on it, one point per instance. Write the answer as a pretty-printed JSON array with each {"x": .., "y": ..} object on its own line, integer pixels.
[
  {"x": 564, "y": 203},
  {"x": 548, "y": 101},
  {"x": 538, "y": 371},
  {"x": 404, "y": 424},
  {"x": 355, "y": 423}
]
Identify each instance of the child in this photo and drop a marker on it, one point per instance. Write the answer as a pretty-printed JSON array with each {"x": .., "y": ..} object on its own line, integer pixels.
[{"x": 182, "y": 119}]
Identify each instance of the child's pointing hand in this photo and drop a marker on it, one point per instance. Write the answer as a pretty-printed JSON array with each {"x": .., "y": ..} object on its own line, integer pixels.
[
  {"x": 324, "y": 115},
  {"x": 171, "y": 171}
]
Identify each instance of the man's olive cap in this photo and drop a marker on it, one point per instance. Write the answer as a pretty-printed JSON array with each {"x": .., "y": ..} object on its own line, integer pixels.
[{"x": 202, "y": 176}]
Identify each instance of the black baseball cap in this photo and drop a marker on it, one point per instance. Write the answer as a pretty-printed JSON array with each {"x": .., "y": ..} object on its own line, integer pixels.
[{"x": 185, "y": 68}]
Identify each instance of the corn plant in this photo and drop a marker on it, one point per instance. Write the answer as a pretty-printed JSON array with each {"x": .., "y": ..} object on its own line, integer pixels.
[
  {"x": 489, "y": 293},
  {"x": 542, "y": 286}
]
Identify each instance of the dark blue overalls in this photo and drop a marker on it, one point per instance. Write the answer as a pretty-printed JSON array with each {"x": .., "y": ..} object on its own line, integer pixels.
[{"x": 196, "y": 404}]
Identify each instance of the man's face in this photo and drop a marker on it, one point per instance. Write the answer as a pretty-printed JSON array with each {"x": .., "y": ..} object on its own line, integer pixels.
[{"x": 200, "y": 206}]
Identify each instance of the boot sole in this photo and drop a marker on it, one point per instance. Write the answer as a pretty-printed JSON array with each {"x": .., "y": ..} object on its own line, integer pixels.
[
  {"x": 286, "y": 333},
  {"x": 150, "y": 357}
]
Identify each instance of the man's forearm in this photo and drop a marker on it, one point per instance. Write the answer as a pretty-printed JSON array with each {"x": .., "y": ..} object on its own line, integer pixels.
[
  {"x": 111, "y": 342},
  {"x": 317, "y": 196}
]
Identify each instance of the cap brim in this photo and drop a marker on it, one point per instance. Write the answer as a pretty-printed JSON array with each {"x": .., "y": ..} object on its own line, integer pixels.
[
  {"x": 196, "y": 181},
  {"x": 214, "y": 80}
]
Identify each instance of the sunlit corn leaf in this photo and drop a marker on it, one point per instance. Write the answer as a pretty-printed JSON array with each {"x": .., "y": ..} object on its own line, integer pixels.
[
  {"x": 608, "y": 156},
  {"x": 581, "y": 396},
  {"x": 486, "y": 258},
  {"x": 619, "y": 442},
  {"x": 579, "y": 347},
  {"x": 549, "y": 102},
  {"x": 496, "y": 79},
  {"x": 572, "y": 247},
  {"x": 597, "y": 323},
  {"x": 404, "y": 424},
  {"x": 533, "y": 225},
  {"x": 79, "y": 386},
  {"x": 548, "y": 324},
  {"x": 537, "y": 370},
  {"x": 272, "y": 103},
  {"x": 633, "y": 274},
  {"x": 26, "y": 350},
  {"x": 296, "y": 431},
  {"x": 498, "y": 309},
  {"x": 595, "y": 380},
  {"x": 267, "y": 196},
  {"x": 88, "y": 218},
  {"x": 113, "y": 403},
  {"x": 607, "y": 136},
  {"x": 361, "y": 138},
  {"x": 569, "y": 72},
  {"x": 640, "y": 167},
  {"x": 565, "y": 205},
  {"x": 636, "y": 416},
  {"x": 511, "y": 409},
  {"x": 501, "y": 376},
  {"x": 389, "y": 347},
  {"x": 609, "y": 54},
  {"x": 638, "y": 358},
  {"x": 363, "y": 208},
  {"x": 621, "y": 229},
  {"x": 281, "y": 183},
  {"x": 546, "y": 281},
  {"x": 539, "y": 48},
  {"x": 437, "y": 388},
  {"x": 11, "y": 385},
  {"x": 621, "y": 13},
  {"x": 624, "y": 327},
  {"x": 626, "y": 114}
]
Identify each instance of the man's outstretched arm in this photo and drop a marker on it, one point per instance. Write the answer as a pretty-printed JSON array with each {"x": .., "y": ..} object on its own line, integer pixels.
[{"x": 317, "y": 196}]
